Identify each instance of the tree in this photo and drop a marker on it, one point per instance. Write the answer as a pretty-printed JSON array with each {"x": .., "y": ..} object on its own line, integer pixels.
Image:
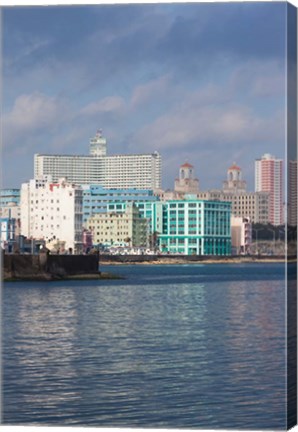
[{"x": 127, "y": 240}]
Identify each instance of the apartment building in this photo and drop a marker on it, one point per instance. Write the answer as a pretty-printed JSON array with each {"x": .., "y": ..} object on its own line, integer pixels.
[
  {"x": 10, "y": 203},
  {"x": 52, "y": 211},
  {"x": 269, "y": 178},
  {"x": 96, "y": 199},
  {"x": 7, "y": 233},
  {"x": 292, "y": 193},
  {"x": 125, "y": 228},
  {"x": 251, "y": 205},
  {"x": 141, "y": 171}
]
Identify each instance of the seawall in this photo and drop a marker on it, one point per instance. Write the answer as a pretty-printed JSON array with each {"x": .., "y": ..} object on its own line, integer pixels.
[
  {"x": 49, "y": 267},
  {"x": 185, "y": 259}
]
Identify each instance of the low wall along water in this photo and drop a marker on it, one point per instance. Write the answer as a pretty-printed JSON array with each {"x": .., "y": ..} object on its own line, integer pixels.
[{"x": 48, "y": 267}]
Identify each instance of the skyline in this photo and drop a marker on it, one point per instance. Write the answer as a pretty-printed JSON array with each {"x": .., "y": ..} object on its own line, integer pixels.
[{"x": 168, "y": 77}]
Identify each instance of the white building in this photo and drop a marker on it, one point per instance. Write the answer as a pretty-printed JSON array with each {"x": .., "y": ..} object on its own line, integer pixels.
[
  {"x": 269, "y": 178},
  {"x": 241, "y": 231},
  {"x": 141, "y": 171},
  {"x": 98, "y": 145},
  {"x": 53, "y": 212}
]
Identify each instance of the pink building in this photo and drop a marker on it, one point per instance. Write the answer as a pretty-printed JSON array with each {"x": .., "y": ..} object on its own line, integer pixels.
[
  {"x": 292, "y": 193},
  {"x": 269, "y": 178}
]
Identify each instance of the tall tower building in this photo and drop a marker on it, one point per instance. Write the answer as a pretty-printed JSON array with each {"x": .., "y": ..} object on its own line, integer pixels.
[
  {"x": 98, "y": 145},
  {"x": 292, "y": 193},
  {"x": 269, "y": 178},
  {"x": 234, "y": 182},
  {"x": 187, "y": 183}
]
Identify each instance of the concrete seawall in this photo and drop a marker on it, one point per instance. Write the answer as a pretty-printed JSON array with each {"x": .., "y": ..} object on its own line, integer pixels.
[
  {"x": 49, "y": 267},
  {"x": 183, "y": 259}
]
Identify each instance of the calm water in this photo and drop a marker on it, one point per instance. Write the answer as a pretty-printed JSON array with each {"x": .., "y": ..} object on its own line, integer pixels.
[{"x": 170, "y": 346}]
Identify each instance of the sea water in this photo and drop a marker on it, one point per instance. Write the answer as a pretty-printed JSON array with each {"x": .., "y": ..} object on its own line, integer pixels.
[{"x": 186, "y": 346}]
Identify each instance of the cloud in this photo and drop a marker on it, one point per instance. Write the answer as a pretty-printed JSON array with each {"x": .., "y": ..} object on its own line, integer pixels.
[
  {"x": 32, "y": 114},
  {"x": 192, "y": 122},
  {"x": 260, "y": 79},
  {"x": 110, "y": 104},
  {"x": 149, "y": 91}
]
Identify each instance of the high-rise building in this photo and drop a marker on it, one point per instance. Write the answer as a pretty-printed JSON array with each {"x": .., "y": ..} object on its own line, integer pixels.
[
  {"x": 269, "y": 178},
  {"x": 141, "y": 171},
  {"x": 292, "y": 193},
  {"x": 53, "y": 212}
]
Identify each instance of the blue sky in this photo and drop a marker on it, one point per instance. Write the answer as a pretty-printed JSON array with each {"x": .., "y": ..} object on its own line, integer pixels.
[{"x": 203, "y": 82}]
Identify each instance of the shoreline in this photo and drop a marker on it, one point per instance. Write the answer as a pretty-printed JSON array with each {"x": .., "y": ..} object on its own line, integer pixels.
[
  {"x": 123, "y": 260},
  {"x": 55, "y": 278}
]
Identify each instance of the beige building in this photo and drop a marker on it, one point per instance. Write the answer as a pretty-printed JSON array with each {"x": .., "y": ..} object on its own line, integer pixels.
[
  {"x": 241, "y": 235},
  {"x": 252, "y": 205},
  {"x": 186, "y": 183},
  {"x": 119, "y": 229},
  {"x": 234, "y": 182}
]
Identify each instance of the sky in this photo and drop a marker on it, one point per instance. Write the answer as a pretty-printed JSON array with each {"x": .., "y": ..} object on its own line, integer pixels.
[{"x": 198, "y": 82}]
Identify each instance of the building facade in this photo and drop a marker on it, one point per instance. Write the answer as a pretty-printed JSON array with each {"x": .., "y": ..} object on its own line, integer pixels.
[
  {"x": 186, "y": 183},
  {"x": 141, "y": 171},
  {"x": 292, "y": 193},
  {"x": 53, "y": 212},
  {"x": 98, "y": 145},
  {"x": 269, "y": 178},
  {"x": 126, "y": 228},
  {"x": 196, "y": 227},
  {"x": 96, "y": 199},
  {"x": 8, "y": 233},
  {"x": 188, "y": 226},
  {"x": 241, "y": 230},
  {"x": 234, "y": 182},
  {"x": 10, "y": 203},
  {"x": 251, "y": 205}
]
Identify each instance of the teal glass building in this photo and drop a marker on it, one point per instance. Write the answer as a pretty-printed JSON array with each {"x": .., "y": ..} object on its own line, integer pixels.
[
  {"x": 189, "y": 227},
  {"x": 196, "y": 227}
]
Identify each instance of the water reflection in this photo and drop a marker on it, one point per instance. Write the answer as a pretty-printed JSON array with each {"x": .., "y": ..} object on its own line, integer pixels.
[{"x": 175, "y": 354}]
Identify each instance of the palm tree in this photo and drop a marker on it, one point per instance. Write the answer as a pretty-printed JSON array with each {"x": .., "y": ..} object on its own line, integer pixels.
[{"x": 127, "y": 240}]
